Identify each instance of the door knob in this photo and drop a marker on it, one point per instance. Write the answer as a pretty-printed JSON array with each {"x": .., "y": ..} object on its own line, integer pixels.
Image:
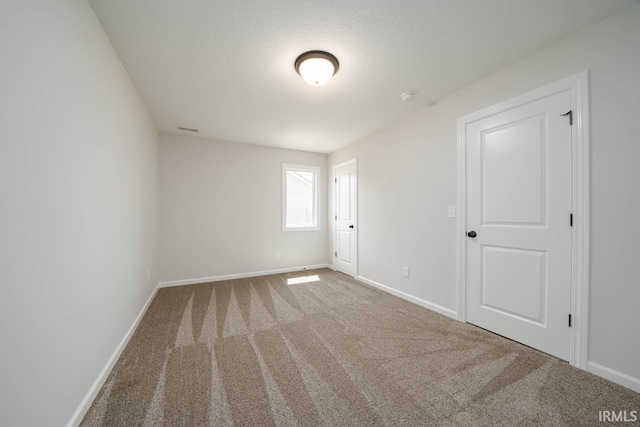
[
  {"x": 472, "y": 234},
  {"x": 351, "y": 226}
]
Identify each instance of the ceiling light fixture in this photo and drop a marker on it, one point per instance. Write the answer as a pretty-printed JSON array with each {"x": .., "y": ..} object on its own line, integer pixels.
[{"x": 316, "y": 67}]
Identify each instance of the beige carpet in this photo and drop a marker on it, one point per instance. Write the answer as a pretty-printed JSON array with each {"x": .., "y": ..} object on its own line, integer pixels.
[{"x": 259, "y": 352}]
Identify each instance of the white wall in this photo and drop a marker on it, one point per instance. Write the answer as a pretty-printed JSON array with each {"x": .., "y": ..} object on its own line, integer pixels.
[
  {"x": 221, "y": 209},
  {"x": 407, "y": 178},
  {"x": 78, "y": 207}
]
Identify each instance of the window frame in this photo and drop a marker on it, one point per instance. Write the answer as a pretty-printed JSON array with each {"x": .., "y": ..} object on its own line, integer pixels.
[{"x": 286, "y": 167}]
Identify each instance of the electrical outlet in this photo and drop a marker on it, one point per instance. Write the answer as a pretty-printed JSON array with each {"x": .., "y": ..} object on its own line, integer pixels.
[
  {"x": 405, "y": 271},
  {"x": 452, "y": 211},
  {"x": 277, "y": 254}
]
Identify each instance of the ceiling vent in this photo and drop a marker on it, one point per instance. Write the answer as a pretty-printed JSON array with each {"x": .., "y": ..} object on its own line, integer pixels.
[{"x": 187, "y": 129}]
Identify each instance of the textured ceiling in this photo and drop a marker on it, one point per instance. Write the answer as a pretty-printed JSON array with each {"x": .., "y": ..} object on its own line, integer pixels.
[{"x": 226, "y": 67}]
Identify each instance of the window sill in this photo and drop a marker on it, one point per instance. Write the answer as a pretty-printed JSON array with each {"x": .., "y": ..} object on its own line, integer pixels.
[{"x": 301, "y": 229}]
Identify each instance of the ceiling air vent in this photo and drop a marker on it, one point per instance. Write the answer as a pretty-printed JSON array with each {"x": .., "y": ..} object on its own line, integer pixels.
[{"x": 187, "y": 129}]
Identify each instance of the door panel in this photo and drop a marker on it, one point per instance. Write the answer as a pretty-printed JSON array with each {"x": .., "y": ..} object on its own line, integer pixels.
[
  {"x": 518, "y": 203},
  {"x": 344, "y": 246},
  {"x": 346, "y": 217},
  {"x": 514, "y": 282},
  {"x": 514, "y": 173},
  {"x": 344, "y": 204}
]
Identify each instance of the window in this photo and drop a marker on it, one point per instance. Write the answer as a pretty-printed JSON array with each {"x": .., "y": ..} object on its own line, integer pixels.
[{"x": 299, "y": 197}]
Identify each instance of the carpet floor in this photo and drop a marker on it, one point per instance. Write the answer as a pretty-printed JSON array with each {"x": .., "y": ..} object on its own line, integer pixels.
[{"x": 333, "y": 352}]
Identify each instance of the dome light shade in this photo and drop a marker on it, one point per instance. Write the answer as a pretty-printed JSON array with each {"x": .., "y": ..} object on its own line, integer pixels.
[{"x": 316, "y": 67}]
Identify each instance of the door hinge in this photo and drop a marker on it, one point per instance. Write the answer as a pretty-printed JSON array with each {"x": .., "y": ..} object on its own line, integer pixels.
[
  {"x": 335, "y": 255},
  {"x": 336, "y": 217},
  {"x": 569, "y": 320},
  {"x": 570, "y": 114},
  {"x": 571, "y": 220},
  {"x": 335, "y": 180}
]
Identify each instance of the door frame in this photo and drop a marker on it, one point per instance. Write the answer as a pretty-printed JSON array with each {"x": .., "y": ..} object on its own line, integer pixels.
[
  {"x": 578, "y": 85},
  {"x": 353, "y": 161}
]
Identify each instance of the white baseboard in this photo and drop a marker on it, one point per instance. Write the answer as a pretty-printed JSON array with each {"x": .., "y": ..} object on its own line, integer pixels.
[
  {"x": 612, "y": 375},
  {"x": 79, "y": 414},
  {"x": 240, "y": 275},
  {"x": 426, "y": 304}
]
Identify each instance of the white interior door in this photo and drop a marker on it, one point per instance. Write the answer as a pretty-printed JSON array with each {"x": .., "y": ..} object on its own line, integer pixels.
[
  {"x": 518, "y": 181},
  {"x": 346, "y": 214}
]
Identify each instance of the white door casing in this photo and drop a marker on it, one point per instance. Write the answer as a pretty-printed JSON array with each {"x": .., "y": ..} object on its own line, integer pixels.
[
  {"x": 527, "y": 269},
  {"x": 345, "y": 218}
]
